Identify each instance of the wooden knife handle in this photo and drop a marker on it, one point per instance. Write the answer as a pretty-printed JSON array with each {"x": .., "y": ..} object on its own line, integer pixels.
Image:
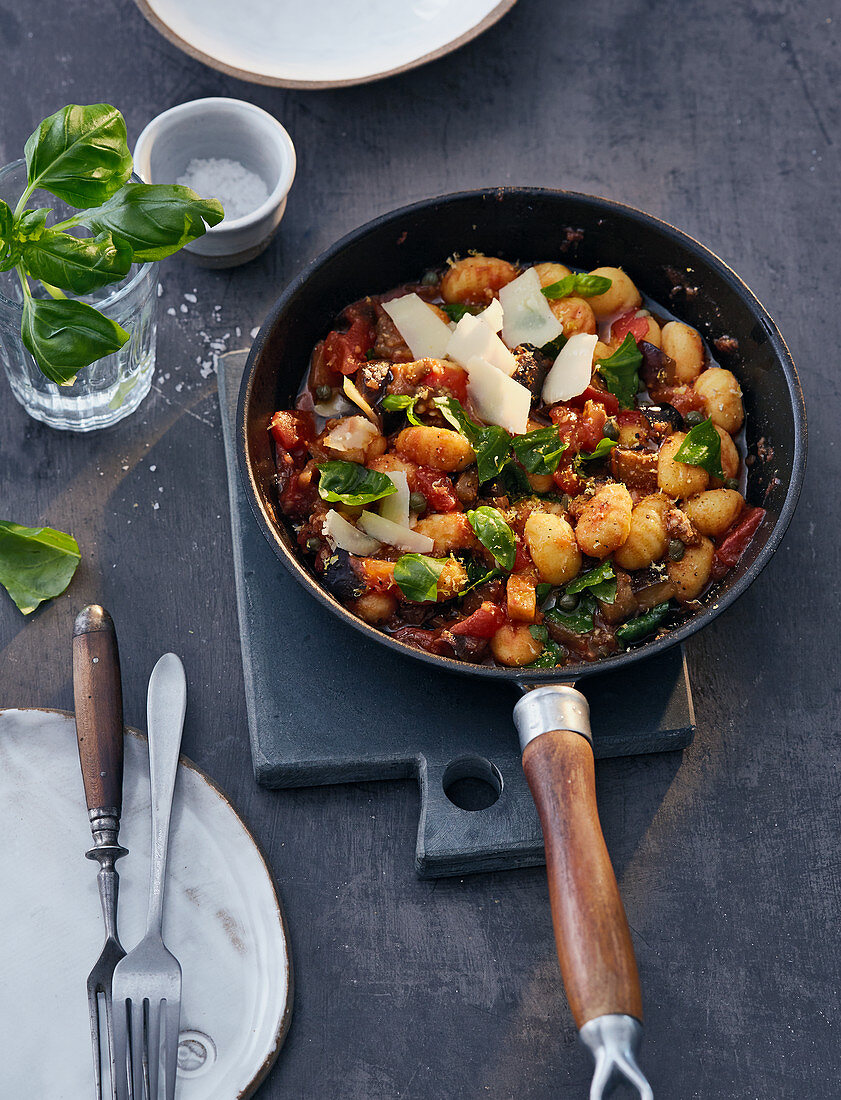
[
  {"x": 99, "y": 708},
  {"x": 591, "y": 929}
]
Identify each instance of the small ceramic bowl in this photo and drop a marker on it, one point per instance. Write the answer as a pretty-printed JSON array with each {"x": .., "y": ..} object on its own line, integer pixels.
[{"x": 229, "y": 129}]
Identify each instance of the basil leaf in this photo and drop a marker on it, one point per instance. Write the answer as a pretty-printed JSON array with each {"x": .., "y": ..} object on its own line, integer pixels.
[
  {"x": 603, "y": 447},
  {"x": 539, "y": 633},
  {"x": 601, "y": 581},
  {"x": 155, "y": 218},
  {"x": 398, "y": 402},
  {"x": 64, "y": 336},
  {"x": 36, "y": 563},
  {"x": 8, "y": 245},
  {"x": 539, "y": 452},
  {"x": 79, "y": 154},
  {"x": 513, "y": 481},
  {"x": 582, "y": 286},
  {"x": 579, "y": 621},
  {"x": 554, "y": 347},
  {"x": 350, "y": 483},
  {"x": 416, "y": 576},
  {"x": 644, "y": 624},
  {"x": 31, "y": 224},
  {"x": 75, "y": 263},
  {"x": 453, "y": 411},
  {"x": 456, "y": 310},
  {"x": 621, "y": 371},
  {"x": 552, "y": 655},
  {"x": 494, "y": 534},
  {"x": 491, "y": 447},
  {"x": 702, "y": 447},
  {"x": 542, "y": 591},
  {"x": 478, "y": 575}
]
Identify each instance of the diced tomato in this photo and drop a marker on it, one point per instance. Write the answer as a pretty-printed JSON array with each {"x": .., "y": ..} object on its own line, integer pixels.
[
  {"x": 483, "y": 623},
  {"x": 438, "y": 490},
  {"x": 566, "y": 420},
  {"x": 567, "y": 480},
  {"x": 736, "y": 541},
  {"x": 292, "y": 430},
  {"x": 430, "y": 640},
  {"x": 448, "y": 377},
  {"x": 295, "y": 499},
  {"x": 344, "y": 352},
  {"x": 377, "y": 575},
  {"x": 580, "y": 430},
  {"x": 629, "y": 322},
  {"x": 523, "y": 559},
  {"x": 592, "y": 393},
  {"x": 591, "y": 428}
]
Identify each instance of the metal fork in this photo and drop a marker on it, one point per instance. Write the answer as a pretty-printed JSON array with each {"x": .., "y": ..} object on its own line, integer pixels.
[
  {"x": 147, "y": 982},
  {"x": 99, "y": 730}
]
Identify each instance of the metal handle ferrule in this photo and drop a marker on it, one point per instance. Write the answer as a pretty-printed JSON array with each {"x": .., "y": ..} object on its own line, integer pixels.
[{"x": 557, "y": 707}]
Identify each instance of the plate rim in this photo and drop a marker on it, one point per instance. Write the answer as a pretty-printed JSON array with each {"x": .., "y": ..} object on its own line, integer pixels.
[
  {"x": 286, "y": 1015},
  {"x": 250, "y": 76}
]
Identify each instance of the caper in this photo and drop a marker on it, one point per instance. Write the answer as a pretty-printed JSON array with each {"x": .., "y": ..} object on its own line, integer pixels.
[
  {"x": 430, "y": 278},
  {"x": 676, "y": 549},
  {"x": 611, "y": 429},
  {"x": 567, "y": 602},
  {"x": 323, "y": 393},
  {"x": 731, "y": 483},
  {"x": 693, "y": 418},
  {"x": 313, "y": 544},
  {"x": 417, "y": 502}
]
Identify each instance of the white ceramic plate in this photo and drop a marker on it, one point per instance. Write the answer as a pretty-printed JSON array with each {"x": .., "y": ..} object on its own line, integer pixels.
[
  {"x": 319, "y": 43},
  {"x": 222, "y": 919}
]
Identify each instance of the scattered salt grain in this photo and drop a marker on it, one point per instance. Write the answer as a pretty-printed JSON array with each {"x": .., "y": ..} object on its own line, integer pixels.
[
  {"x": 254, "y": 332},
  {"x": 153, "y": 468},
  {"x": 239, "y": 190},
  {"x": 171, "y": 312},
  {"x": 190, "y": 298},
  {"x": 155, "y": 505},
  {"x": 183, "y": 308}
]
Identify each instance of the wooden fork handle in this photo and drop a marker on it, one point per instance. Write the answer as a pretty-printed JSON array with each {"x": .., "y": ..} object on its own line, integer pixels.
[
  {"x": 591, "y": 929},
  {"x": 99, "y": 709}
]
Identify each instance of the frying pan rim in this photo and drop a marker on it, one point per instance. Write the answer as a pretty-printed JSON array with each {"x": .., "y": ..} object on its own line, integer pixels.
[{"x": 523, "y": 676}]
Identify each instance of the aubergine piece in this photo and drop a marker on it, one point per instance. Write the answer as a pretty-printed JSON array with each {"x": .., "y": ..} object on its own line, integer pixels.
[
  {"x": 341, "y": 578},
  {"x": 532, "y": 368}
]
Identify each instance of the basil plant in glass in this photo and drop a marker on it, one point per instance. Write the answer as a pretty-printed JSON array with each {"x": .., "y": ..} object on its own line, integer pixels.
[{"x": 80, "y": 237}]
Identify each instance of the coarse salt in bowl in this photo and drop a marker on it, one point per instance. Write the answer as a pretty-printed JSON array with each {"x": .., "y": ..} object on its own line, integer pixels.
[{"x": 227, "y": 149}]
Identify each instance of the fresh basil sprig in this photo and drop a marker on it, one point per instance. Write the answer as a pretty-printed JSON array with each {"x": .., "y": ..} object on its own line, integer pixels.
[
  {"x": 351, "y": 484},
  {"x": 579, "y": 621},
  {"x": 491, "y": 444},
  {"x": 601, "y": 582},
  {"x": 416, "y": 576},
  {"x": 494, "y": 534},
  {"x": 80, "y": 154},
  {"x": 582, "y": 286},
  {"x": 539, "y": 452},
  {"x": 702, "y": 447},
  {"x": 621, "y": 371},
  {"x": 36, "y": 563},
  {"x": 456, "y": 310},
  {"x": 603, "y": 447},
  {"x": 398, "y": 402}
]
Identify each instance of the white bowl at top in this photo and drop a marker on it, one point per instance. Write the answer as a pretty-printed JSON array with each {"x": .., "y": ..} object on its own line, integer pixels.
[{"x": 229, "y": 129}]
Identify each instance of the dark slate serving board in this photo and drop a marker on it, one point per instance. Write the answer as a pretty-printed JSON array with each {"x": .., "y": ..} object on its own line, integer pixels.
[{"x": 326, "y": 705}]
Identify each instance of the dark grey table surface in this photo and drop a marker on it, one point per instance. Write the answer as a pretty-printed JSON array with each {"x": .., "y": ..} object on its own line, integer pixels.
[{"x": 723, "y": 119}]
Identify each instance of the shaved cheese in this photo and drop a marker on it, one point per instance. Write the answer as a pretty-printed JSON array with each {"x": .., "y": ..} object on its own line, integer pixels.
[
  {"x": 357, "y": 398},
  {"x": 571, "y": 372},
  {"x": 354, "y": 433},
  {"x": 497, "y": 398},
  {"x": 492, "y": 316},
  {"x": 419, "y": 325},
  {"x": 396, "y": 506},
  {"x": 342, "y": 535},
  {"x": 527, "y": 316},
  {"x": 395, "y": 534},
  {"x": 473, "y": 339}
]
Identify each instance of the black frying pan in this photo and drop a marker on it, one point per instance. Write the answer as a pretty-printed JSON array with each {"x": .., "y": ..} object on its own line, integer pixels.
[{"x": 530, "y": 224}]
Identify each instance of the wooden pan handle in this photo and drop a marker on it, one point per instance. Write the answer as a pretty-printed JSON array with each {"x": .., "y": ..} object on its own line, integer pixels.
[
  {"x": 99, "y": 708},
  {"x": 591, "y": 929}
]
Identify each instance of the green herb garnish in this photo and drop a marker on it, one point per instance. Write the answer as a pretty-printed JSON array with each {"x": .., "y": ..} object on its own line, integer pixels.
[
  {"x": 456, "y": 310},
  {"x": 643, "y": 625},
  {"x": 416, "y": 576},
  {"x": 36, "y": 563},
  {"x": 494, "y": 534},
  {"x": 702, "y": 447},
  {"x": 579, "y": 621},
  {"x": 539, "y": 452},
  {"x": 394, "y": 402},
  {"x": 621, "y": 371},
  {"x": 352, "y": 484},
  {"x": 554, "y": 347},
  {"x": 601, "y": 581},
  {"x": 80, "y": 154},
  {"x": 552, "y": 655},
  {"x": 603, "y": 447},
  {"x": 582, "y": 286},
  {"x": 491, "y": 443}
]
